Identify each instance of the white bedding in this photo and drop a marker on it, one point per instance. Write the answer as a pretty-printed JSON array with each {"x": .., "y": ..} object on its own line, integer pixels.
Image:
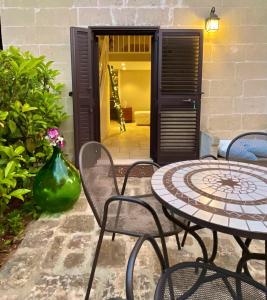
[{"x": 142, "y": 117}]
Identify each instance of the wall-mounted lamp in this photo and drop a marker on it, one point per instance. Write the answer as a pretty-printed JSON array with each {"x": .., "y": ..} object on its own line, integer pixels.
[{"x": 212, "y": 22}]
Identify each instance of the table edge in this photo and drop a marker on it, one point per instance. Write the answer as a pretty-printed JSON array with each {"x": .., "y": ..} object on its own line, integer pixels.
[{"x": 255, "y": 235}]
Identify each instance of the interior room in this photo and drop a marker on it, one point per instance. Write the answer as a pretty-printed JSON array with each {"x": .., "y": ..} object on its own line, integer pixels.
[{"x": 125, "y": 89}]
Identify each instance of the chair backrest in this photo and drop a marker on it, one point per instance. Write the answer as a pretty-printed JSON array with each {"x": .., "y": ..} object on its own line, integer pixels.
[
  {"x": 209, "y": 157},
  {"x": 98, "y": 176},
  {"x": 251, "y": 147}
]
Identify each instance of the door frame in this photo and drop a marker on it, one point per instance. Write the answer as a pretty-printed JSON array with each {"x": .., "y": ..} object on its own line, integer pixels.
[{"x": 153, "y": 31}]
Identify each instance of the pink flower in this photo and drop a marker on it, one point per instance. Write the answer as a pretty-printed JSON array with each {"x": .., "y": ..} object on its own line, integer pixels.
[
  {"x": 53, "y": 133},
  {"x": 54, "y": 138}
]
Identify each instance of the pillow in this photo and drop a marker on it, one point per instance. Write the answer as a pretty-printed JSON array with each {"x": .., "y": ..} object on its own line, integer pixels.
[
  {"x": 239, "y": 151},
  {"x": 257, "y": 147},
  {"x": 246, "y": 149},
  {"x": 223, "y": 145}
]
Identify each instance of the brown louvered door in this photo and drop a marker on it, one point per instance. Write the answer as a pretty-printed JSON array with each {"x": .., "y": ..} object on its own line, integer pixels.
[
  {"x": 84, "y": 79},
  {"x": 179, "y": 94}
]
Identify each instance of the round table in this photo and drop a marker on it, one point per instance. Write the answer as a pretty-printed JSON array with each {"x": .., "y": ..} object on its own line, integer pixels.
[{"x": 224, "y": 196}]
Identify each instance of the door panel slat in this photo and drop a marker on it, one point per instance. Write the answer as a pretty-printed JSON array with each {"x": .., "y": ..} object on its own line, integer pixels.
[
  {"x": 180, "y": 64},
  {"x": 82, "y": 86}
]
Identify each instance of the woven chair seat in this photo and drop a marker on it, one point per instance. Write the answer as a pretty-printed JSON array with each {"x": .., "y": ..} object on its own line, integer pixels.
[
  {"x": 137, "y": 220},
  {"x": 217, "y": 283}
]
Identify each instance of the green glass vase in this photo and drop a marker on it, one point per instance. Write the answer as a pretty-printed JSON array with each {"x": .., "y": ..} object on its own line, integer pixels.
[{"x": 57, "y": 185}]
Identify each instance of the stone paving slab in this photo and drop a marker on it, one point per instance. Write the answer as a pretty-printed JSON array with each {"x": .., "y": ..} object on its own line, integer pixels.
[{"x": 54, "y": 259}]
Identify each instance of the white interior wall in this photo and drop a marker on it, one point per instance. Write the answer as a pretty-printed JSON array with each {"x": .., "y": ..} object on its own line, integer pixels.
[
  {"x": 105, "y": 109},
  {"x": 135, "y": 89}
]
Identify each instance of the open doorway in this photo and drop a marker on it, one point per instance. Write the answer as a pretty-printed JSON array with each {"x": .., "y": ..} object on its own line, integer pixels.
[
  {"x": 176, "y": 74},
  {"x": 125, "y": 94}
]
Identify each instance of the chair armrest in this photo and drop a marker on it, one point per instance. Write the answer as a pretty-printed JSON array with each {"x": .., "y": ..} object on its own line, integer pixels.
[
  {"x": 146, "y": 206},
  {"x": 131, "y": 168},
  {"x": 209, "y": 156},
  {"x": 137, "y": 201},
  {"x": 132, "y": 259}
]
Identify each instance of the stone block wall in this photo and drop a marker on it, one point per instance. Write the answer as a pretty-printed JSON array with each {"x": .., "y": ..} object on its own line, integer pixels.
[{"x": 235, "y": 57}]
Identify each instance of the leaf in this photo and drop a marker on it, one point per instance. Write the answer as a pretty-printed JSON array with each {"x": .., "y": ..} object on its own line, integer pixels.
[
  {"x": 12, "y": 126},
  {"x": 7, "y": 198},
  {"x": 19, "y": 150},
  {"x": 30, "y": 145},
  {"x": 20, "y": 158},
  {"x": 7, "y": 242},
  {"x": 40, "y": 154},
  {"x": 3, "y": 115},
  {"x": 14, "y": 65},
  {"x": 7, "y": 150},
  {"x": 10, "y": 167},
  {"x": 32, "y": 159},
  {"x": 19, "y": 193},
  {"x": 17, "y": 105},
  {"x": 9, "y": 182},
  {"x": 3, "y": 161},
  {"x": 26, "y": 107}
]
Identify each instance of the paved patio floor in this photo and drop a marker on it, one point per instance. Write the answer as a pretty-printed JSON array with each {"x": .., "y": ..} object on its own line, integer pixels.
[
  {"x": 134, "y": 143},
  {"x": 54, "y": 259}
]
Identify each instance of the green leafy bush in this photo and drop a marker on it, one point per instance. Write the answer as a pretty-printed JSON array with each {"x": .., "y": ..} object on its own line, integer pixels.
[
  {"x": 29, "y": 105},
  {"x": 12, "y": 175},
  {"x": 15, "y": 222}
]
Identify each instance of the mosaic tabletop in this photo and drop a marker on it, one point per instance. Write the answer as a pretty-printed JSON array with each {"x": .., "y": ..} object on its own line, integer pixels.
[{"x": 226, "y": 196}]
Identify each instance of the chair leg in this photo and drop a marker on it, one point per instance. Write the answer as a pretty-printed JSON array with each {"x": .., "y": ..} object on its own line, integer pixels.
[
  {"x": 185, "y": 235},
  {"x": 117, "y": 219},
  {"x": 91, "y": 278},
  {"x": 176, "y": 235},
  {"x": 178, "y": 241}
]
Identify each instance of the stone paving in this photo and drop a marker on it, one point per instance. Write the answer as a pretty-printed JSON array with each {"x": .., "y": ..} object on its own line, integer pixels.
[{"x": 54, "y": 259}]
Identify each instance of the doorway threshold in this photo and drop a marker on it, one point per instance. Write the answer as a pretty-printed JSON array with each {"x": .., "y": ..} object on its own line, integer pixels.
[{"x": 126, "y": 162}]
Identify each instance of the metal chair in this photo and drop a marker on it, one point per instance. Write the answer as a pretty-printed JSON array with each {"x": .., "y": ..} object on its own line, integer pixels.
[
  {"x": 254, "y": 148},
  {"x": 195, "y": 280},
  {"x": 209, "y": 156},
  {"x": 249, "y": 147},
  {"x": 114, "y": 212}
]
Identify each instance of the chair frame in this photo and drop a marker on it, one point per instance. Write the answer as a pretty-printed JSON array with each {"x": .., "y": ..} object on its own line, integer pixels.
[
  {"x": 121, "y": 198},
  {"x": 242, "y": 262},
  {"x": 166, "y": 270},
  {"x": 240, "y": 136},
  {"x": 164, "y": 264},
  {"x": 209, "y": 156},
  {"x": 103, "y": 229}
]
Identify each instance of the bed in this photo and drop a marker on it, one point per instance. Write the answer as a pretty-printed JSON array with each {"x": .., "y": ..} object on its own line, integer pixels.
[{"x": 142, "y": 117}]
